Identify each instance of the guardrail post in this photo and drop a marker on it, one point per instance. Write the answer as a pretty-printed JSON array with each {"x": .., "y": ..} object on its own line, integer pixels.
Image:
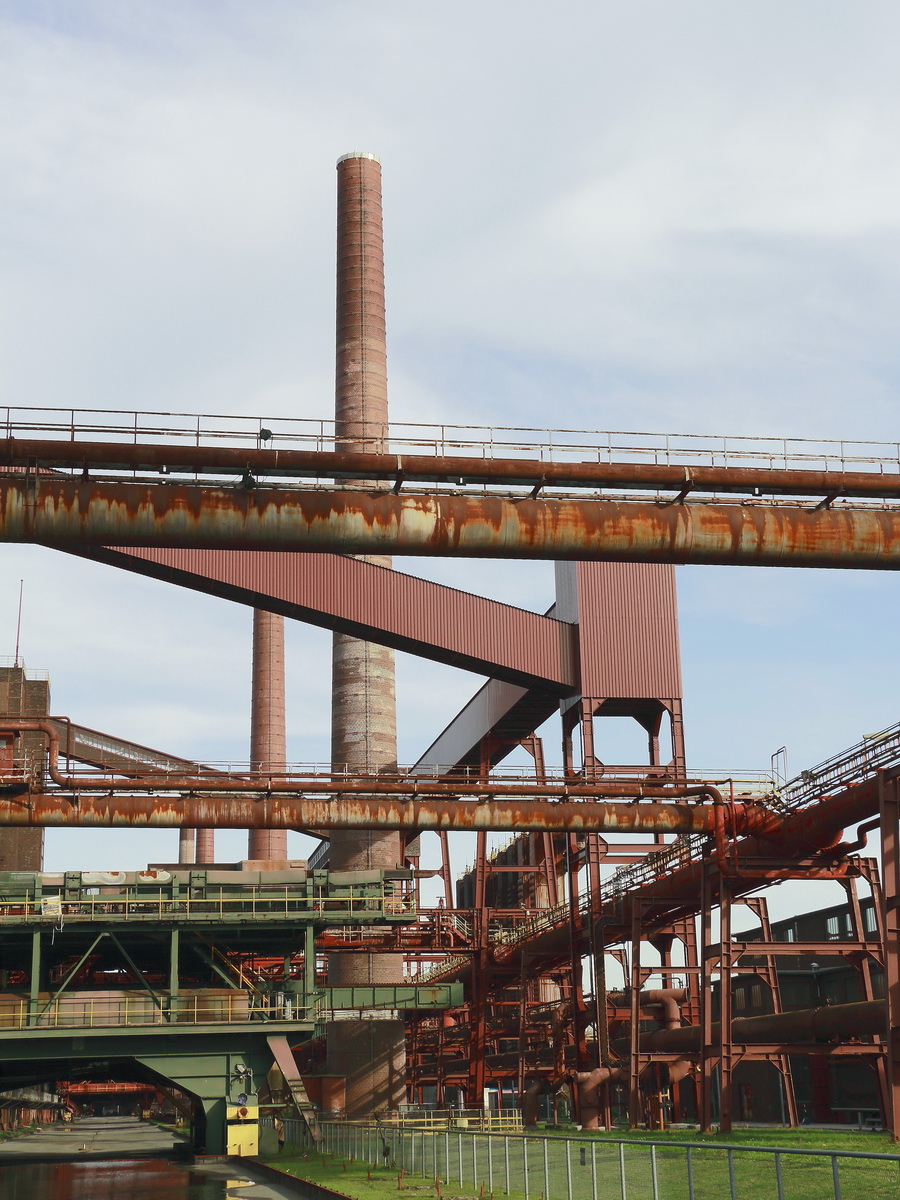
[
  {"x": 835, "y": 1177},
  {"x": 622, "y": 1187}
]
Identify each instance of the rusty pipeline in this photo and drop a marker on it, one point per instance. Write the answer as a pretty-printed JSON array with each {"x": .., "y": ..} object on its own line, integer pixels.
[
  {"x": 273, "y": 811},
  {"x": 72, "y": 514},
  {"x": 404, "y": 785},
  {"x": 864, "y": 1018},
  {"x": 373, "y": 464}
]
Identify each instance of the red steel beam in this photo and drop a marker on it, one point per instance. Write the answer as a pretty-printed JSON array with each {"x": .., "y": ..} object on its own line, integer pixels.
[
  {"x": 422, "y": 468},
  {"x": 74, "y": 514}
]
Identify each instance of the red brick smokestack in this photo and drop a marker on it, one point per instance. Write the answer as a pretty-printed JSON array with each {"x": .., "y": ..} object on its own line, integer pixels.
[
  {"x": 267, "y": 738},
  {"x": 368, "y": 1053}
]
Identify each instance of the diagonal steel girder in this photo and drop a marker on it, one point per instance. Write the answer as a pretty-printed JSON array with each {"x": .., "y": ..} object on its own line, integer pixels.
[{"x": 68, "y": 514}]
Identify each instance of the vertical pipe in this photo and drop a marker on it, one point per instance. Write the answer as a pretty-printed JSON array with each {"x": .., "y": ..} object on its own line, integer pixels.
[
  {"x": 370, "y": 1054},
  {"x": 267, "y": 725}
]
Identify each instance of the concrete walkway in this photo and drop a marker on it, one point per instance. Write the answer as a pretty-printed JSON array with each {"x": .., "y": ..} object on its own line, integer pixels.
[{"x": 91, "y": 1137}]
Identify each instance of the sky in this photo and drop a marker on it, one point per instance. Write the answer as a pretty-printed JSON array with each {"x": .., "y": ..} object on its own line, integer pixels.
[{"x": 672, "y": 218}]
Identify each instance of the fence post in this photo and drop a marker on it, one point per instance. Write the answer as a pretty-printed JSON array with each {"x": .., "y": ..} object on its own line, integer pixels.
[
  {"x": 835, "y": 1177},
  {"x": 506, "y": 1158},
  {"x": 525, "y": 1163},
  {"x": 569, "y": 1168},
  {"x": 778, "y": 1180},
  {"x": 546, "y": 1173},
  {"x": 593, "y": 1171},
  {"x": 653, "y": 1174},
  {"x": 690, "y": 1173},
  {"x": 490, "y": 1146},
  {"x": 474, "y": 1160},
  {"x": 459, "y": 1158},
  {"x": 622, "y": 1169},
  {"x": 731, "y": 1174}
]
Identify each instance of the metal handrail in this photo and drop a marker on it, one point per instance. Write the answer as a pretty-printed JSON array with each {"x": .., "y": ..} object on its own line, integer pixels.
[
  {"x": 72, "y": 1011},
  {"x": 485, "y": 442},
  {"x": 268, "y": 902}
]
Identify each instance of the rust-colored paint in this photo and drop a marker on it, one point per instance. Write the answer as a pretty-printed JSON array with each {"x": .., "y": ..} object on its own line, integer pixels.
[
  {"x": 366, "y": 812},
  {"x": 421, "y": 468},
  {"x": 69, "y": 514},
  {"x": 860, "y": 1019},
  {"x": 367, "y": 601}
]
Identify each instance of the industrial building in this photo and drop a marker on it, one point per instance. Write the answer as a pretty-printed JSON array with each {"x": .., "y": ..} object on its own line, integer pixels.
[{"x": 592, "y": 958}]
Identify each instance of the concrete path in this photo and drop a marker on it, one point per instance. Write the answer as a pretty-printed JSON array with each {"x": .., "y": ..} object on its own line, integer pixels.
[{"x": 91, "y": 1137}]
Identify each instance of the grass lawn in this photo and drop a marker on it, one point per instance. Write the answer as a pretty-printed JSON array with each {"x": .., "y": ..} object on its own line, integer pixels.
[{"x": 592, "y": 1168}]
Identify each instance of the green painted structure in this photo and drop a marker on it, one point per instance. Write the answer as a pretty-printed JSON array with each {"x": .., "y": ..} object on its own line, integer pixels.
[{"x": 182, "y": 975}]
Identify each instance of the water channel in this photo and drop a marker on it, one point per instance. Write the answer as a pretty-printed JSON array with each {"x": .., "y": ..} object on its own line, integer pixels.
[{"x": 46, "y": 1166}]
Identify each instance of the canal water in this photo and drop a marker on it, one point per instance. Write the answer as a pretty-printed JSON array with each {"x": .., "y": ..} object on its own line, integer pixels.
[{"x": 124, "y": 1179}]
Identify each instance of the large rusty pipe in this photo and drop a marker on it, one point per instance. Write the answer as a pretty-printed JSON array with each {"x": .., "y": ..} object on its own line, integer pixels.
[
  {"x": 373, "y": 464},
  {"x": 362, "y": 812},
  {"x": 66, "y": 513},
  {"x": 862, "y": 1019}
]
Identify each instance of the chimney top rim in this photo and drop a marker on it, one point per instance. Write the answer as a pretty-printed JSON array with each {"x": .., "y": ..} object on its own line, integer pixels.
[{"x": 358, "y": 154}]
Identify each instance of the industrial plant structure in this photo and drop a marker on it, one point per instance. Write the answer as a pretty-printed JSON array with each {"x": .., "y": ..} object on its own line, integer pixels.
[{"x": 330, "y": 983}]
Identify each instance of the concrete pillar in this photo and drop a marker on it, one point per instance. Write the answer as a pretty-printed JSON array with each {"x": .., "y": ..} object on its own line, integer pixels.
[
  {"x": 267, "y": 724},
  {"x": 370, "y": 1053}
]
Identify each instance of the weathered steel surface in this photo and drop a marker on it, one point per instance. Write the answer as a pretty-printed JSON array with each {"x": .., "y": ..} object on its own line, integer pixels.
[
  {"x": 861, "y": 1019},
  {"x": 364, "y": 812},
  {"x": 366, "y": 601},
  {"x": 318, "y": 464},
  {"x": 628, "y": 627},
  {"x": 66, "y": 513}
]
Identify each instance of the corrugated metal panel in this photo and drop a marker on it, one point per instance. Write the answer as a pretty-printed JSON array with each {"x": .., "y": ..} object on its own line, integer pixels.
[
  {"x": 376, "y": 604},
  {"x": 628, "y": 628}
]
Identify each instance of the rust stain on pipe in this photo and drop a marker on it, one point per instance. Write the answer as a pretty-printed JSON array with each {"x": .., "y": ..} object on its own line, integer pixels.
[
  {"x": 861, "y": 1019},
  {"x": 381, "y": 783},
  {"x": 360, "y": 812},
  {"x": 376, "y": 465},
  {"x": 68, "y": 513}
]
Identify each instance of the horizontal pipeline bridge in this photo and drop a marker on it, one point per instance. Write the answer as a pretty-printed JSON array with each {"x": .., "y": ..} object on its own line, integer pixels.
[{"x": 80, "y": 515}]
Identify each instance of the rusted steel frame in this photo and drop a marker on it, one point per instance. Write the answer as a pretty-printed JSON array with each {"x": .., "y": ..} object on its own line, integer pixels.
[
  {"x": 73, "y": 514},
  {"x": 865, "y": 1018},
  {"x": 361, "y": 812},
  {"x": 385, "y": 783},
  {"x": 426, "y": 468}
]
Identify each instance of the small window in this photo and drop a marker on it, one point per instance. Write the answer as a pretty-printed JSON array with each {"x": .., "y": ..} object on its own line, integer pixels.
[
  {"x": 789, "y": 934},
  {"x": 833, "y": 928},
  {"x": 869, "y": 923},
  {"x": 756, "y": 995}
]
